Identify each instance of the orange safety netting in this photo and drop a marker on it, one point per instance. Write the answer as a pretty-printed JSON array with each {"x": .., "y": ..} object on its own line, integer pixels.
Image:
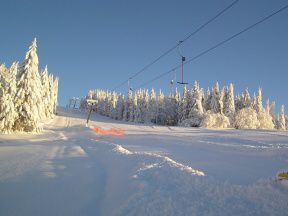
[{"x": 111, "y": 131}]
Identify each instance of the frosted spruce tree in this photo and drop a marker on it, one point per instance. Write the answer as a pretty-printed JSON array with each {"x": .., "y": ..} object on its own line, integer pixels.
[
  {"x": 146, "y": 109},
  {"x": 55, "y": 92},
  {"x": 8, "y": 113},
  {"x": 177, "y": 98},
  {"x": 161, "y": 112},
  {"x": 185, "y": 104},
  {"x": 113, "y": 103},
  {"x": 207, "y": 100},
  {"x": 243, "y": 101},
  {"x": 265, "y": 118},
  {"x": 282, "y": 121},
  {"x": 138, "y": 106},
  {"x": 196, "y": 112},
  {"x": 120, "y": 107},
  {"x": 153, "y": 106},
  {"x": 229, "y": 103},
  {"x": 48, "y": 112},
  {"x": 246, "y": 118},
  {"x": 258, "y": 106},
  {"x": 216, "y": 100},
  {"x": 29, "y": 93}
]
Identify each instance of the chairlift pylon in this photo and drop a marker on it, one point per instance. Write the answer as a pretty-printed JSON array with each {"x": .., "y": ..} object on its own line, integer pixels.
[{"x": 183, "y": 59}]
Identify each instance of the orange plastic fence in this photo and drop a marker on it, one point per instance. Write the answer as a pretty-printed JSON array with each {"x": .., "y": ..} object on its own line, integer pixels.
[{"x": 111, "y": 131}]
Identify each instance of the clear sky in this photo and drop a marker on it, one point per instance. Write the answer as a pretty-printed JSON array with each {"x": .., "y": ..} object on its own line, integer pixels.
[{"x": 97, "y": 44}]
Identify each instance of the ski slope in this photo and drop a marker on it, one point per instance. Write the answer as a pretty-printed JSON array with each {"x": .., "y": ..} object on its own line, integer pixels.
[{"x": 152, "y": 170}]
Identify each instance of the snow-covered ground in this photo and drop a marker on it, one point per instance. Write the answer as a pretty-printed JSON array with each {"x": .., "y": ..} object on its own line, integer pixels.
[{"x": 152, "y": 170}]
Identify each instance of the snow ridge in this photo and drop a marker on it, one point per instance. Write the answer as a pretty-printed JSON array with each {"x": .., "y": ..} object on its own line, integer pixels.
[{"x": 165, "y": 160}]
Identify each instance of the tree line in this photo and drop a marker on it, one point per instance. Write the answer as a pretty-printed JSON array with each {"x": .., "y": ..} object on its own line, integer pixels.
[{"x": 217, "y": 108}]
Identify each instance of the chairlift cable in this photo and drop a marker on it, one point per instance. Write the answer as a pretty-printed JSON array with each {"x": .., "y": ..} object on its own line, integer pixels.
[
  {"x": 175, "y": 46},
  {"x": 218, "y": 45}
]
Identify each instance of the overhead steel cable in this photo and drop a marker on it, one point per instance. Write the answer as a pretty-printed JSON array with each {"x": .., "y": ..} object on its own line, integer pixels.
[
  {"x": 217, "y": 45},
  {"x": 176, "y": 45}
]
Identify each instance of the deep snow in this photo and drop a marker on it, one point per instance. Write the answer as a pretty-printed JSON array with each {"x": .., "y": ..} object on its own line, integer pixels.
[{"x": 152, "y": 170}]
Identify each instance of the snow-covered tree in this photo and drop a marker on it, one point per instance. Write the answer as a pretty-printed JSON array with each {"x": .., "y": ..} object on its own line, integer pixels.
[
  {"x": 246, "y": 118},
  {"x": 153, "y": 107},
  {"x": 29, "y": 95},
  {"x": 258, "y": 106},
  {"x": 207, "y": 100},
  {"x": 214, "y": 120},
  {"x": 177, "y": 99},
  {"x": 55, "y": 94},
  {"x": 46, "y": 93},
  {"x": 229, "y": 103},
  {"x": 282, "y": 121},
  {"x": 243, "y": 101},
  {"x": 185, "y": 104},
  {"x": 146, "y": 106},
  {"x": 8, "y": 114},
  {"x": 170, "y": 111},
  {"x": 217, "y": 100},
  {"x": 161, "y": 112},
  {"x": 265, "y": 119},
  {"x": 113, "y": 103},
  {"x": 196, "y": 112},
  {"x": 120, "y": 107}
]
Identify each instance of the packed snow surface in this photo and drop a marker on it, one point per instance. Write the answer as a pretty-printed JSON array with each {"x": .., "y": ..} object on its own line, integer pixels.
[{"x": 69, "y": 169}]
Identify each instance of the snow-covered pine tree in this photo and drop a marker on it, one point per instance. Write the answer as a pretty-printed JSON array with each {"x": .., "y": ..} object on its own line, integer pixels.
[
  {"x": 196, "y": 112},
  {"x": 207, "y": 100},
  {"x": 146, "y": 106},
  {"x": 46, "y": 93},
  {"x": 139, "y": 107},
  {"x": 120, "y": 107},
  {"x": 113, "y": 105},
  {"x": 272, "y": 112},
  {"x": 282, "y": 121},
  {"x": 229, "y": 103},
  {"x": 246, "y": 118},
  {"x": 133, "y": 112},
  {"x": 51, "y": 93},
  {"x": 214, "y": 120},
  {"x": 185, "y": 104},
  {"x": 153, "y": 106},
  {"x": 8, "y": 113},
  {"x": 29, "y": 93},
  {"x": 170, "y": 111},
  {"x": 177, "y": 98},
  {"x": 55, "y": 92},
  {"x": 216, "y": 100},
  {"x": 265, "y": 119},
  {"x": 161, "y": 114},
  {"x": 258, "y": 106},
  {"x": 245, "y": 100}
]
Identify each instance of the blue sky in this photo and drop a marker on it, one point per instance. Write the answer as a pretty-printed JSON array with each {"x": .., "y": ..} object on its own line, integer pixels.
[{"x": 97, "y": 44}]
